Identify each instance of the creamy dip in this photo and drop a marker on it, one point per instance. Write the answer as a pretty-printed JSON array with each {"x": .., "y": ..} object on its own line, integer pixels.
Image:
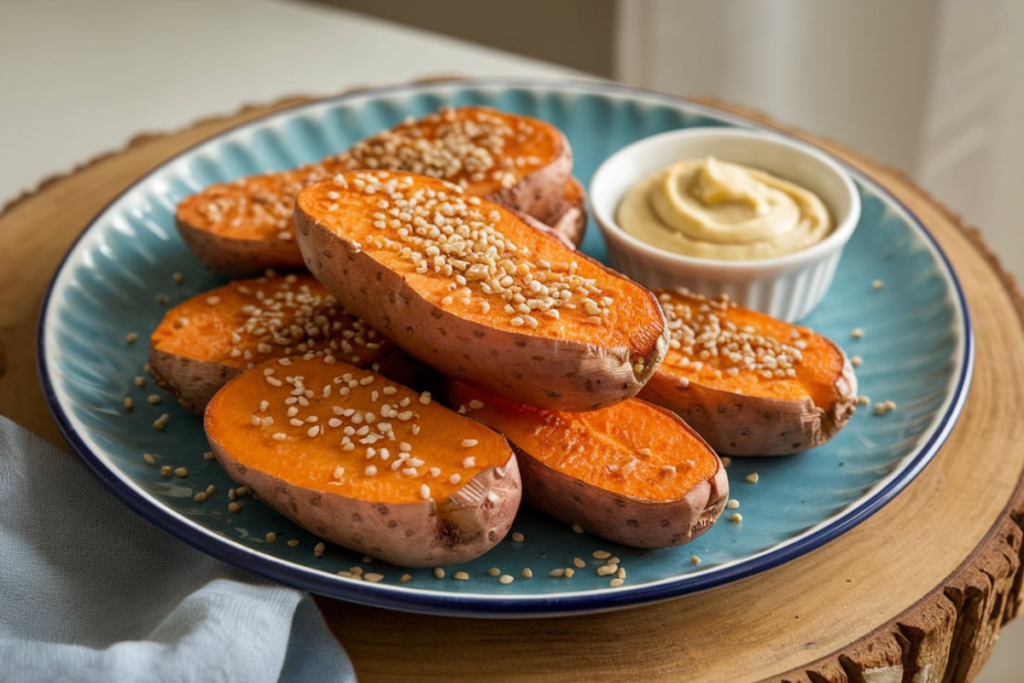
[{"x": 713, "y": 209}]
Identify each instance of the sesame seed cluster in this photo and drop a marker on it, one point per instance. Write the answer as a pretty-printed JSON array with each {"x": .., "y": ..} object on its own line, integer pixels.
[
  {"x": 701, "y": 336},
  {"x": 380, "y": 439},
  {"x": 443, "y": 232},
  {"x": 462, "y": 146},
  {"x": 289, "y": 317}
]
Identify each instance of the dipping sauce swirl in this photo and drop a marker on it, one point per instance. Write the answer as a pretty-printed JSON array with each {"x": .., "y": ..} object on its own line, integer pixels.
[{"x": 706, "y": 208}]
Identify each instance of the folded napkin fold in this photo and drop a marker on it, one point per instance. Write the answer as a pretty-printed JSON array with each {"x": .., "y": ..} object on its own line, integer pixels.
[{"x": 90, "y": 592}]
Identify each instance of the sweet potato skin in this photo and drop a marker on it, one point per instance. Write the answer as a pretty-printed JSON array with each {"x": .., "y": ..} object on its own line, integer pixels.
[
  {"x": 620, "y": 518},
  {"x": 530, "y": 369},
  {"x": 741, "y": 425},
  {"x": 190, "y": 381},
  {"x": 569, "y": 217},
  {"x": 468, "y": 524}
]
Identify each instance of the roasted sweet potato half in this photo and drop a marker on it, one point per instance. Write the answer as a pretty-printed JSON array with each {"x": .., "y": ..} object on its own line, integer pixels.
[
  {"x": 244, "y": 227},
  {"x": 750, "y": 384},
  {"x": 633, "y": 473},
  {"x": 365, "y": 463},
  {"x": 467, "y": 287},
  {"x": 202, "y": 343}
]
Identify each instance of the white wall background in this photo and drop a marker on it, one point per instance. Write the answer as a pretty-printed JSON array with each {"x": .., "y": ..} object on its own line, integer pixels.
[{"x": 933, "y": 87}]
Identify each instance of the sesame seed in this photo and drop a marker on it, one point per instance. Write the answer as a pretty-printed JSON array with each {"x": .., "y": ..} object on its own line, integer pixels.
[
  {"x": 569, "y": 572},
  {"x": 863, "y": 400},
  {"x": 736, "y": 518},
  {"x": 506, "y": 579},
  {"x": 140, "y": 381},
  {"x": 166, "y": 470},
  {"x": 857, "y": 333},
  {"x": 856, "y": 361},
  {"x": 200, "y": 497},
  {"x": 579, "y": 563},
  {"x": 131, "y": 337},
  {"x": 469, "y": 462},
  {"x": 461, "y": 576},
  {"x": 753, "y": 477},
  {"x": 455, "y": 478},
  {"x": 154, "y": 399},
  {"x": 557, "y": 573},
  {"x": 234, "y": 506},
  {"x": 181, "y": 472},
  {"x": 271, "y": 537},
  {"x": 607, "y": 570},
  {"x": 577, "y": 528},
  {"x": 733, "y": 504},
  {"x": 877, "y": 284},
  {"x": 149, "y": 458},
  {"x": 493, "y": 571},
  {"x": 373, "y": 577},
  {"x": 469, "y": 443},
  {"x": 726, "y": 461},
  {"x": 293, "y": 543},
  {"x": 518, "y": 537},
  {"x": 439, "y": 572},
  {"x": 406, "y": 578},
  {"x": 160, "y": 423},
  {"x": 128, "y": 403},
  {"x": 601, "y": 554},
  {"x": 616, "y": 582},
  {"x": 318, "y": 549},
  {"x": 424, "y": 492}
]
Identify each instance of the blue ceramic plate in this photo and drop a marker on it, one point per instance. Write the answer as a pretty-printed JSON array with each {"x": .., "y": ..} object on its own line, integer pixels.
[{"x": 916, "y": 347}]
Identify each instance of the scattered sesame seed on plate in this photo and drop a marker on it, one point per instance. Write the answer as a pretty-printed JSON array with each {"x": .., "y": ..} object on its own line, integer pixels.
[
  {"x": 439, "y": 572},
  {"x": 518, "y": 537},
  {"x": 753, "y": 477},
  {"x": 506, "y": 579}
]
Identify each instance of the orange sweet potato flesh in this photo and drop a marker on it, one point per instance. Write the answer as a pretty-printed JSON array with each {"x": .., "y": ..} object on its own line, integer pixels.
[
  {"x": 633, "y": 473},
  {"x": 205, "y": 341},
  {"x": 467, "y": 287},
  {"x": 749, "y": 383},
  {"x": 365, "y": 463},
  {"x": 244, "y": 227}
]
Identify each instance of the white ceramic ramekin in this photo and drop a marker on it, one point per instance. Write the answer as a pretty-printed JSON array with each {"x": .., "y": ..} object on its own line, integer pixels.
[{"x": 786, "y": 287}]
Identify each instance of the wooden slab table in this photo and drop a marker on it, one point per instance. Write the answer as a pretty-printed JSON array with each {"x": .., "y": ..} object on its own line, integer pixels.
[{"x": 918, "y": 592}]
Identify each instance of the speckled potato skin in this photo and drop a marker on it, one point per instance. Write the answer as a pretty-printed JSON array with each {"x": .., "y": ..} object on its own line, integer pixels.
[
  {"x": 423, "y": 534},
  {"x": 740, "y": 425},
  {"x": 541, "y": 192},
  {"x": 541, "y": 372},
  {"x": 191, "y": 382},
  {"x": 238, "y": 258},
  {"x": 620, "y": 518}
]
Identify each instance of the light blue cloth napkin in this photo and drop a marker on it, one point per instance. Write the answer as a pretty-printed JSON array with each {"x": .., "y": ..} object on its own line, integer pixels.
[{"x": 90, "y": 592}]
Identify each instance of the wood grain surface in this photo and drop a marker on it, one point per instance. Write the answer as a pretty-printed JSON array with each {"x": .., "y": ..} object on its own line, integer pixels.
[{"x": 918, "y": 592}]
